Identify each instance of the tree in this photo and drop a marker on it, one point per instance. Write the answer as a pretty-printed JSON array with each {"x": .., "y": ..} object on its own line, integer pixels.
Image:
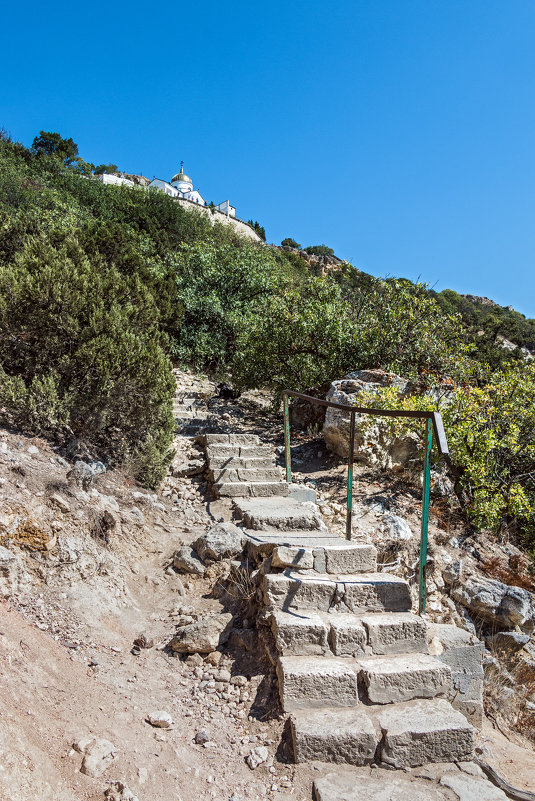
[
  {"x": 319, "y": 250},
  {"x": 53, "y": 144},
  {"x": 290, "y": 243},
  {"x": 260, "y": 230},
  {"x": 100, "y": 169}
]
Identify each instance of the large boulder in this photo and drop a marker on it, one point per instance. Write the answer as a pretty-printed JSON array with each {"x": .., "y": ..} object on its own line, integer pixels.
[
  {"x": 224, "y": 541},
  {"x": 502, "y": 605},
  {"x": 375, "y": 447},
  {"x": 204, "y": 636},
  {"x": 186, "y": 560}
]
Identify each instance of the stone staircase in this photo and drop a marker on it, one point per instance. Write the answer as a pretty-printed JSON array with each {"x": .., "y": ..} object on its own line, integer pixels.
[
  {"x": 239, "y": 466},
  {"x": 352, "y": 660}
]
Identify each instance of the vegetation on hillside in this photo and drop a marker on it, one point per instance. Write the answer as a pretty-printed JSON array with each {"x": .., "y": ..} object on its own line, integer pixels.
[{"x": 102, "y": 287}]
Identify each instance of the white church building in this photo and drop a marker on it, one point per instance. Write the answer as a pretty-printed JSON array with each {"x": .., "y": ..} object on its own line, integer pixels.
[{"x": 181, "y": 187}]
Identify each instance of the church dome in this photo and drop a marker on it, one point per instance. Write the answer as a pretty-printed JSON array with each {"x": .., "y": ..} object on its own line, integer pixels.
[{"x": 181, "y": 176}]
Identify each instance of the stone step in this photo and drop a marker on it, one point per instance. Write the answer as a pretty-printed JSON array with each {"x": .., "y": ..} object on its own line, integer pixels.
[
  {"x": 333, "y": 735},
  {"x": 423, "y": 731},
  {"x": 347, "y": 635},
  {"x": 398, "y": 633},
  {"x": 360, "y": 593},
  {"x": 244, "y": 474},
  {"x": 236, "y": 462},
  {"x": 252, "y": 489},
  {"x": 220, "y": 451},
  {"x": 403, "y": 677},
  {"x": 306, "y": 682},
  {"x": 311, "y": 681},
  {"x": 384, "y": 785},
  {"x": 241, "y": 440},
  {"x": 275, "y": 513},
  {"x": 303, "y": 633},
  {"x": 307, "y": 550},
  {"x": 299, "y": 634},
  {"x": 400, "y": 735}
]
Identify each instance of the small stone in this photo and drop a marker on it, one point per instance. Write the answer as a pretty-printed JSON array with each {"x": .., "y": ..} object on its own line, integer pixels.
[
  {"x": 144, "y": 641},
  {"x": 33, "y": 450},
  {"x": 98, "y": 756},
  {"x": 223, "y": 675},
  {"x": 160, "y": 719},
  {"x": 202, "y": 737},
  {"x": 60, "y": 502},
  {"x": 118, "y": 791},
  {"x": 239, "y": 681},
  {"x": 258, "y": 756}
]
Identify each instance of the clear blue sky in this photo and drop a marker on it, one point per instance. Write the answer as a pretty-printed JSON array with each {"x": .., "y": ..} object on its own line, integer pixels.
[{"x": 399, "y": 132}]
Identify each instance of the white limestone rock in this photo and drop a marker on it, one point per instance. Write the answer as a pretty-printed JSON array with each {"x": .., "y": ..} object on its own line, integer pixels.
[
  {"x": 98, "y": 755},
  {"x": 223, "y": 541},
  {"x": 374, "y": 446},
  {"x": 501, "y": 604},
  {"x": 186, "y": 560},
  {"x": 204, "y": 636}
]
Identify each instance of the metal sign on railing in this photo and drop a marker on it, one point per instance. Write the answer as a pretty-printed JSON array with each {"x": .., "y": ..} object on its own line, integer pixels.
[{"x": 433, "y": 424}]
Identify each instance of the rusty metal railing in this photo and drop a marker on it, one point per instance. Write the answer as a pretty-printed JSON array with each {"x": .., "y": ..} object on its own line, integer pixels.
[{"x": 433, "y": 424}]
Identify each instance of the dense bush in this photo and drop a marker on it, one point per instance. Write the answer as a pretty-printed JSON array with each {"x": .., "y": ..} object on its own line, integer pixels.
[
  {"x": 290, "y": 243},
  {"x": 318, "y": 329},
  {"x": 319, "y": 250},
  {"x": 491, "y": 437},
  {"x": 81, "y": 355}
]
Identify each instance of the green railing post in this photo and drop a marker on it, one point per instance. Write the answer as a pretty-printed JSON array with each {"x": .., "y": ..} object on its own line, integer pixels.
[
  {"x": 349, "y": 511},
  {"x": 422, "y": 577},
  {"x": 287, "y": 451}
]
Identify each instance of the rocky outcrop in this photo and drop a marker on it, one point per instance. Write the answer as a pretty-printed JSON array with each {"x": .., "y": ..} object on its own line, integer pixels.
[
  {"x": 504, "y": 606},
  {"x": 375, "y": 446}
]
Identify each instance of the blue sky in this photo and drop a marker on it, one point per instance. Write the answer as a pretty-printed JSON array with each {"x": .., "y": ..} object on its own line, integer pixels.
[{"x": 399, "y": 132}]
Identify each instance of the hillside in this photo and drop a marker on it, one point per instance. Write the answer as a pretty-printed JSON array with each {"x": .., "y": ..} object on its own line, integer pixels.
[{"x": 199, "y": 608}]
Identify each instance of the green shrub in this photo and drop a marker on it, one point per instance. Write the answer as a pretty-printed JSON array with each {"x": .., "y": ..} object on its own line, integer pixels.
[
  {"x": 319, "y": 250},
  {"x": 81, "y": 354},
  {"x": 491, "y": 437}
]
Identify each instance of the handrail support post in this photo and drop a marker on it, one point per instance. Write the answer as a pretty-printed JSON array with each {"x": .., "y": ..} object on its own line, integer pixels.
[
  {"x": 422, "y": 573},
  {"x": 287, "y": 449},
  {"x": 349, "y": 510}
]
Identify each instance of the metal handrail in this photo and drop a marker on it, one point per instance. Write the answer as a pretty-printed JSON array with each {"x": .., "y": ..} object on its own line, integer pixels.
[{"x": 433, "y": 424}]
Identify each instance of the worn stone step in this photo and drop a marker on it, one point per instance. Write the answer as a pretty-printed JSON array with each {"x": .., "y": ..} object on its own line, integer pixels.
[
  {"x": 242, "y": 440},
  {"x": 403, "y": 677},
  {"x": 347, "y": 635},
  {"x": 397, "y": 633},
  {"x": 299, "y": 634},
  {"x": 386, "y": 785},
  {"x": 305, "y": 632},
  {"x": 251, "y": 489},
  {"x": 333, "y": 735},
  {"x": 360, "y": 593},
  {"x": 243, "y": 474},
  {"x": 306, "y": 682},
  {"x": 275, "y": 513},
  {"x": 236, "y": 462},
  {"x": 400, "y": 735},
  {"x": 219, "y": 451},
  {"x": 307, "y": 550},
  {"x": 423, "y": 731}
]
